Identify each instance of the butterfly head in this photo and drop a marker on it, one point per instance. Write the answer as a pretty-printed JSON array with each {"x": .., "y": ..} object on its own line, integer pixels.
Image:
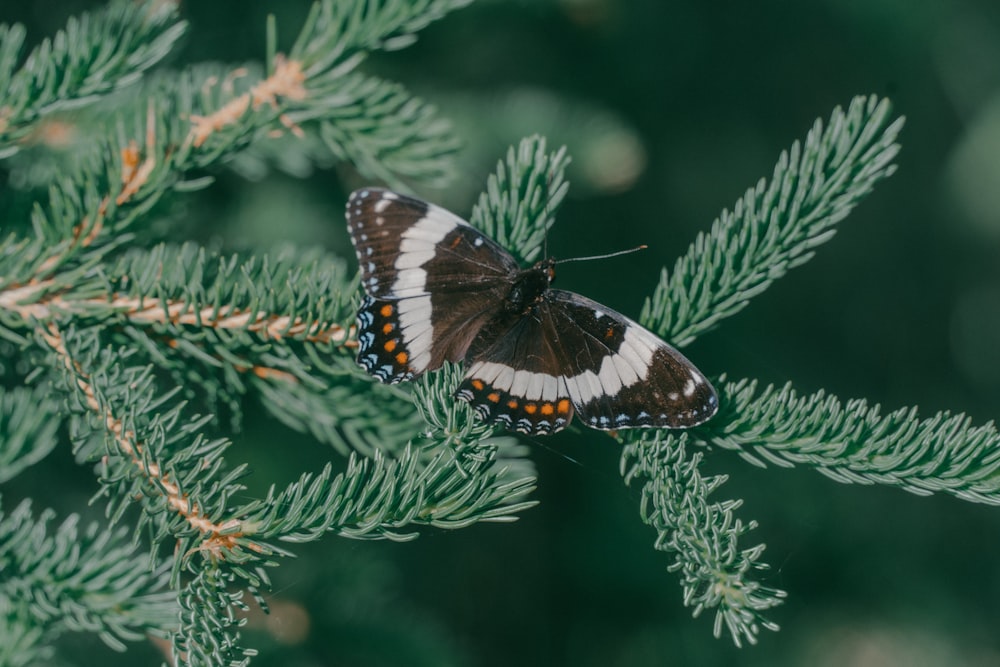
[{"x": 549, "y": 266}]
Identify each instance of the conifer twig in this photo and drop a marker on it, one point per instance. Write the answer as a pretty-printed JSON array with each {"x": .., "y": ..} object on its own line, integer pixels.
[
  {"x": 125, "y": 333},
  {"x": 854, "y": 442},
  {"x": 518, "y": 207},
  {"x": 99, "y": 323},
  {"x": 772, "y": 229},
  {"x": 701, "y": 535},
  {"x": 127, "y": 445},
  {"x": 29, "y": 419},
  {"x": 776, "y": 226},
  {"x": 77, "y": 579},
  {"x": 68, "y": 70}
]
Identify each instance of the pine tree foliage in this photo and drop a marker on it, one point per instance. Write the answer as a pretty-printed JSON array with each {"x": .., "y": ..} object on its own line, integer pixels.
[
  {"x": 125, "y": 335},
  {"x": 154, "y": 454},
  {"x": 265, "y": 325},
  {"x": 772, "y": 229},
  {"x": 776, "y": 226},
  {"x": 518, "y": 206},
  {"x": 702, "y": 536},
  {"x": 854, "y": 442},
  {"x": 69, "y": 70},
  {"x": 387, "y": 134},
  {"x": 376, "y": 125},
  {"x": 75, "y": 579},
  {"x": 28, "y": 425}
]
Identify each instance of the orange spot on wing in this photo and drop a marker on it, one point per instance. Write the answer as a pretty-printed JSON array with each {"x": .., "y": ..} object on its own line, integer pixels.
[
  {"x": 548, "y": 409},
  {"x": 402, "y": 358},
  {"x": 530, "y": 408},
  {"x": 609, "y": 333},
  {"x": 478, "y": 385},
  {"x": 512, "y": 404},
  {"x": 386, "y": 310},
  {"x": 493, "y": 397},
  {"x": 390, "y": 345},
  {"x": 563, "y": 406},
  {"x": 387, "y": 327}
]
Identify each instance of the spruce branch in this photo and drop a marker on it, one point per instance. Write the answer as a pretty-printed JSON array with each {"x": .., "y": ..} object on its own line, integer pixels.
[
  {"x": 149, "y": 453},
  {"x": 29, "y": 419},
  {"x": 380, "y": 497},
  {"x": 518, "y": 207},
  {"x": 178, "y": 478},
  {"x": 79, "y": 580},
  {"x": 772, "y": 229},
  {"x": 24, "y": 641},
  {"x": 197, "y": 123},
  {"x": 702, "y": 535},
  {"x": 68, "y": 70},
  {"x": 267, "y": 325},
  {"x": 121, "y": 333},
  {"x": 854, "y": 442},
  {"x": 455, "y": 476},
  {"x": 337, "y": 36},
  {"x": 377, "y": 125},
  {"x": 210, "y": 621},
  {"x": 291, "y": 294},
  {"x": 776, "y": 226},
  {"x": 386, "y": 133},
  {"x": 127, "y": 333}
]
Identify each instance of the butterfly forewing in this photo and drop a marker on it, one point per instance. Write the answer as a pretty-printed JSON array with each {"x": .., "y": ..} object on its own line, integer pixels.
[
  {"x": 621, "y": 375},
  {"x": 407, "y": 247},
  {"x": 432, "y": 281}
]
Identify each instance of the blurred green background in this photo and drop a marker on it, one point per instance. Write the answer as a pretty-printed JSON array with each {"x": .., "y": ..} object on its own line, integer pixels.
[{"x": 670, "y": 111}]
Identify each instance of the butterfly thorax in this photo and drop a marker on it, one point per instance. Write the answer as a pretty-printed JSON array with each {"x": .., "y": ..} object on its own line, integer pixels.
[{"x": 529, "y": 287}]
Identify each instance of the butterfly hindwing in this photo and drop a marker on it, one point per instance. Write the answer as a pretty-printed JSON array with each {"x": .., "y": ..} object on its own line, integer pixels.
[
  {"x": 573, "y": 354},
  {"x": 515, "y": 382}
]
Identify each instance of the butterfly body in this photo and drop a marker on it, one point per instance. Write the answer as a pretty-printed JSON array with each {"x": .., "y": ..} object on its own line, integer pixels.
[
  {"x": 530, "y": 286},
  {"x": 439, "y": 290}
]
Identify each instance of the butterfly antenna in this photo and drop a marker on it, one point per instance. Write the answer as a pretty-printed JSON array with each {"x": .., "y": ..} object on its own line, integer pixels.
[
  {"x": 545, "y": 238},
  {"x": 610, "y": 254}
]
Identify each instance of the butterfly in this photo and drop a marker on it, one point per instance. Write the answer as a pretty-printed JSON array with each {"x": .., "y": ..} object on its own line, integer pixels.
[{"x": 438, "y": 290}]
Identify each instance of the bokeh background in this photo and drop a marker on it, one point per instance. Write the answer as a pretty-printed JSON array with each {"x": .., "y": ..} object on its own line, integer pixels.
[{"x": 670, "y": 111}]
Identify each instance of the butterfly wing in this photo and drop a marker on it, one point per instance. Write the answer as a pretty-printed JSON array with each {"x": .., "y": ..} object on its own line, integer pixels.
[
  {"x": 432, "y": 281},
  {"x": 531, "y": 373},
  {"x": 513, "y": 376},
  {"x": 621, "y": 375}
]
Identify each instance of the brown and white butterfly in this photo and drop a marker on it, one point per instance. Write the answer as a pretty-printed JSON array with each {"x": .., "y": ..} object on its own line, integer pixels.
[{"x": 439, "y": 290}]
